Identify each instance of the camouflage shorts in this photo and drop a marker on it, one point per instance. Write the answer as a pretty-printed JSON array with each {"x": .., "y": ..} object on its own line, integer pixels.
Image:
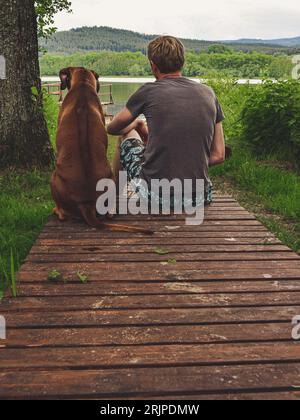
[{"x": 132, "y": 159}]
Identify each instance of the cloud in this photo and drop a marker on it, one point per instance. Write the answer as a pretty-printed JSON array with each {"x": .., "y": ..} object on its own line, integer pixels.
[{"x": 221, "y": 19}]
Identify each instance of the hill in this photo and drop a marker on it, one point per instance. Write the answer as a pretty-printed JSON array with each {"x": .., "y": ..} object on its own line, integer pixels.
[
  {"x": 87, "y": 39},
  {"x": 283, "y": 42}
]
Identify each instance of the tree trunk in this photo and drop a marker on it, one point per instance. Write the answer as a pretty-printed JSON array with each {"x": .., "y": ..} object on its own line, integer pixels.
[{"x": 24, "y": 137}]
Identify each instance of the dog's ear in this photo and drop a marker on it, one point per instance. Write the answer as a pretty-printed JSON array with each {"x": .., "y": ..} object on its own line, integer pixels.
[
  {"x": 97, "y": 78},
  {"x": 65, "y": 78}
]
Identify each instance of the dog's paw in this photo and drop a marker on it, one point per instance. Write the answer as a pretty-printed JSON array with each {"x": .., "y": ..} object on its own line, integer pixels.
[{"x": 60, "y": 214}]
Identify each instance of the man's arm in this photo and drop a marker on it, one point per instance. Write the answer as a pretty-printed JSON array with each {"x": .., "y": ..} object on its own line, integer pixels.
[
  {"x": 122, "y": 124},
  {"x": 218, "y": 147}
]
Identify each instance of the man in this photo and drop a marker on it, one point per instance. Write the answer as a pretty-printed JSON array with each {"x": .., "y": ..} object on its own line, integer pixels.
[{"x": 184, "y": 133}]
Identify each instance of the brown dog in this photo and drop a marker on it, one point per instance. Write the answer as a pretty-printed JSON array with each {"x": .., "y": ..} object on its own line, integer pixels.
[{"x": 82, "y": 151}]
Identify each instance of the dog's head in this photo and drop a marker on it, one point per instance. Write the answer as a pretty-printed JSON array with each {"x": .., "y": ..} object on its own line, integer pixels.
[
  {"x": 96, "y": 75},
  {"x": 68, "y": 74},
  {"x": 65, "y": 76}
]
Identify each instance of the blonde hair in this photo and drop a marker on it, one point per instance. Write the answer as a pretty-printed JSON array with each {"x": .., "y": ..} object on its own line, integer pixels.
[{"x": 168, "y": 53}]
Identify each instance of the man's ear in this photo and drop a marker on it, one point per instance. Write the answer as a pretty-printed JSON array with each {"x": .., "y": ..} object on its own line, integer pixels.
[
  {"x": 65, "y": 78},
  {"x": 154, "y": 68},
  {"x": 97, "y": 78}
]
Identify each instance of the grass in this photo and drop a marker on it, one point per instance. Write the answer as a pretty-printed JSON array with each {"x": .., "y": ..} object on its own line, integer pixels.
[
  {"x": 51, "y": 110},
  {"x": 271, "y": 189},
  {"x": 273, "y": 194},
  {"x": 25, "y": 204}
]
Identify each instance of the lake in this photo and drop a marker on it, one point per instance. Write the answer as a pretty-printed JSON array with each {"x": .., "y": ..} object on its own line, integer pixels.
[
  {"x": 121, "y": 94},
  {"x": 124, "y": 87}
]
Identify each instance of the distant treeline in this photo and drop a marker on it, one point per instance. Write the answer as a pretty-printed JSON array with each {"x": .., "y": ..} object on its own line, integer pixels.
[
  {"x": 87, "y": 39},
  {"x": 219, "y": 61}
]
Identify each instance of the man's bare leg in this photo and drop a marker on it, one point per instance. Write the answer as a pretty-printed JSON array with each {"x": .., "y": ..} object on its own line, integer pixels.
[
  {"x": 142, "y": 129},
  {"x": 117, "y": 166}
]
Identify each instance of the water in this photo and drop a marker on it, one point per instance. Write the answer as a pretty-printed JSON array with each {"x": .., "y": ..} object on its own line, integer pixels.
[
  {"x": 121, "y": 94},
  {"x": 124, "y": 87}
]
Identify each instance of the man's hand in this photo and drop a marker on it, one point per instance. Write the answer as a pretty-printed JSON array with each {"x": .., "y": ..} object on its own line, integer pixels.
[
  {"x": 122, "y": 124},
  {"x": 217, "y": 155}
]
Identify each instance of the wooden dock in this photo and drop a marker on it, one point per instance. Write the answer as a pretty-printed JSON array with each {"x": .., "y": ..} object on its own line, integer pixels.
[{"x": 190, "y": 313}]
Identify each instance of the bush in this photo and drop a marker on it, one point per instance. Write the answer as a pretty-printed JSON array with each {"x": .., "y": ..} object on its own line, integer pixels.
[
  {"x": 271, "y": 120},
  {"x": 232, "y": 98}
]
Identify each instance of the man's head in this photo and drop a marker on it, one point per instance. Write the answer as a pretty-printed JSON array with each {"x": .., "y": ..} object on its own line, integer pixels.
[{"x": 167, "y": 55}]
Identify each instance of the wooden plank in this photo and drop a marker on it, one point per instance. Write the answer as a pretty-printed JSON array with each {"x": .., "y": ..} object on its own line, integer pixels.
[
  {"x": 103, "y": 242},
  {"x": 237, "y": 396},
  {"x": 150, "y": 335},
  {"x": 169, "y": 229},
  {"x": 212, "y": 215},
  {"x": 172, "y": 316},
  {"x": 100, "y": 275},
  {"x": 138, "y": 268},
  {"x": 218, "y": 212},
  {"x": 142, "y": 249},
  {"x": 148, "y": 288},
  {"x": 143, "y": 356},
  {"x": 92, "y": 257},
  {"x": 143, "y": 381},
  {"x": 72, "y": 303},
  {"x": 210, "y": 232},
  {"x": 169, "y": 225}
]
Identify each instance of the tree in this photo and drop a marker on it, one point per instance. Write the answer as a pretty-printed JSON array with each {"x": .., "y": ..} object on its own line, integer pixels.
[
  {"x": 219, "y": 49},
  {"x": 46, "y": 10},
  {"x": 24, "y": 137}
]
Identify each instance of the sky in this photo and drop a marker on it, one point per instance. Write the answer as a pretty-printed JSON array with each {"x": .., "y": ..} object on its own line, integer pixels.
[{"x": 199, "y": 19}]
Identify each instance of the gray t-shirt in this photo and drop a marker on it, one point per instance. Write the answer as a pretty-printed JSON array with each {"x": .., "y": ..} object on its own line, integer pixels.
[{"x": 181, "y": 116}]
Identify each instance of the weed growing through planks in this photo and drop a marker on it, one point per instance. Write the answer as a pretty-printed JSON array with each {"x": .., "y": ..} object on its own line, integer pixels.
[
  {"x": 55, "y": 276},
  {"x": 161, "y": 251},
  {"x": 82, "y": 277}
]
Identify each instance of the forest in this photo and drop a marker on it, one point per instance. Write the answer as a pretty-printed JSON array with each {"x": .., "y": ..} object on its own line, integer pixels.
[
  {"x": 117, "y": 52},
  {"x": 87, "y": 39},
  {"x": 216, "y": 62}
]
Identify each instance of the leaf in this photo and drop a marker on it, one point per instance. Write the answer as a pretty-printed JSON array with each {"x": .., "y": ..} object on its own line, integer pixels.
[
  {"x": 161, "y": 251},
  {"x": 54, "y": 276},
  {"x": 172, "y": 261},
  {"x": 34, "y": 91},
  {"x": 82, "y": 277}
]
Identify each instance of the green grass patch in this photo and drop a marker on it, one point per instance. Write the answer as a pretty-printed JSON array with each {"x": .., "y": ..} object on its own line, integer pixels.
[
  {"x": 51, "y": 111},
  {"x": 274, "y": 190},
  {"x": 25, "y": 204}
]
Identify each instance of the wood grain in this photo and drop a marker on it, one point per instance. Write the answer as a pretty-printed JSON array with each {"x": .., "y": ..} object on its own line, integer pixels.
[{"x": 201, "y": 312}]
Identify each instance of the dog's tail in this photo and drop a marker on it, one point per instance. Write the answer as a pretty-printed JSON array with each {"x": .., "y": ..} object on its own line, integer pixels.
[{"x": 89, "y": 215}]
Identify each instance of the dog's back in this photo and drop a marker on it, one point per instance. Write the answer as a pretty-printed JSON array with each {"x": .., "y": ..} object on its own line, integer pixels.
[
  {"x": 81, "y": 146},
  {"x": 82, "y": 151}
]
